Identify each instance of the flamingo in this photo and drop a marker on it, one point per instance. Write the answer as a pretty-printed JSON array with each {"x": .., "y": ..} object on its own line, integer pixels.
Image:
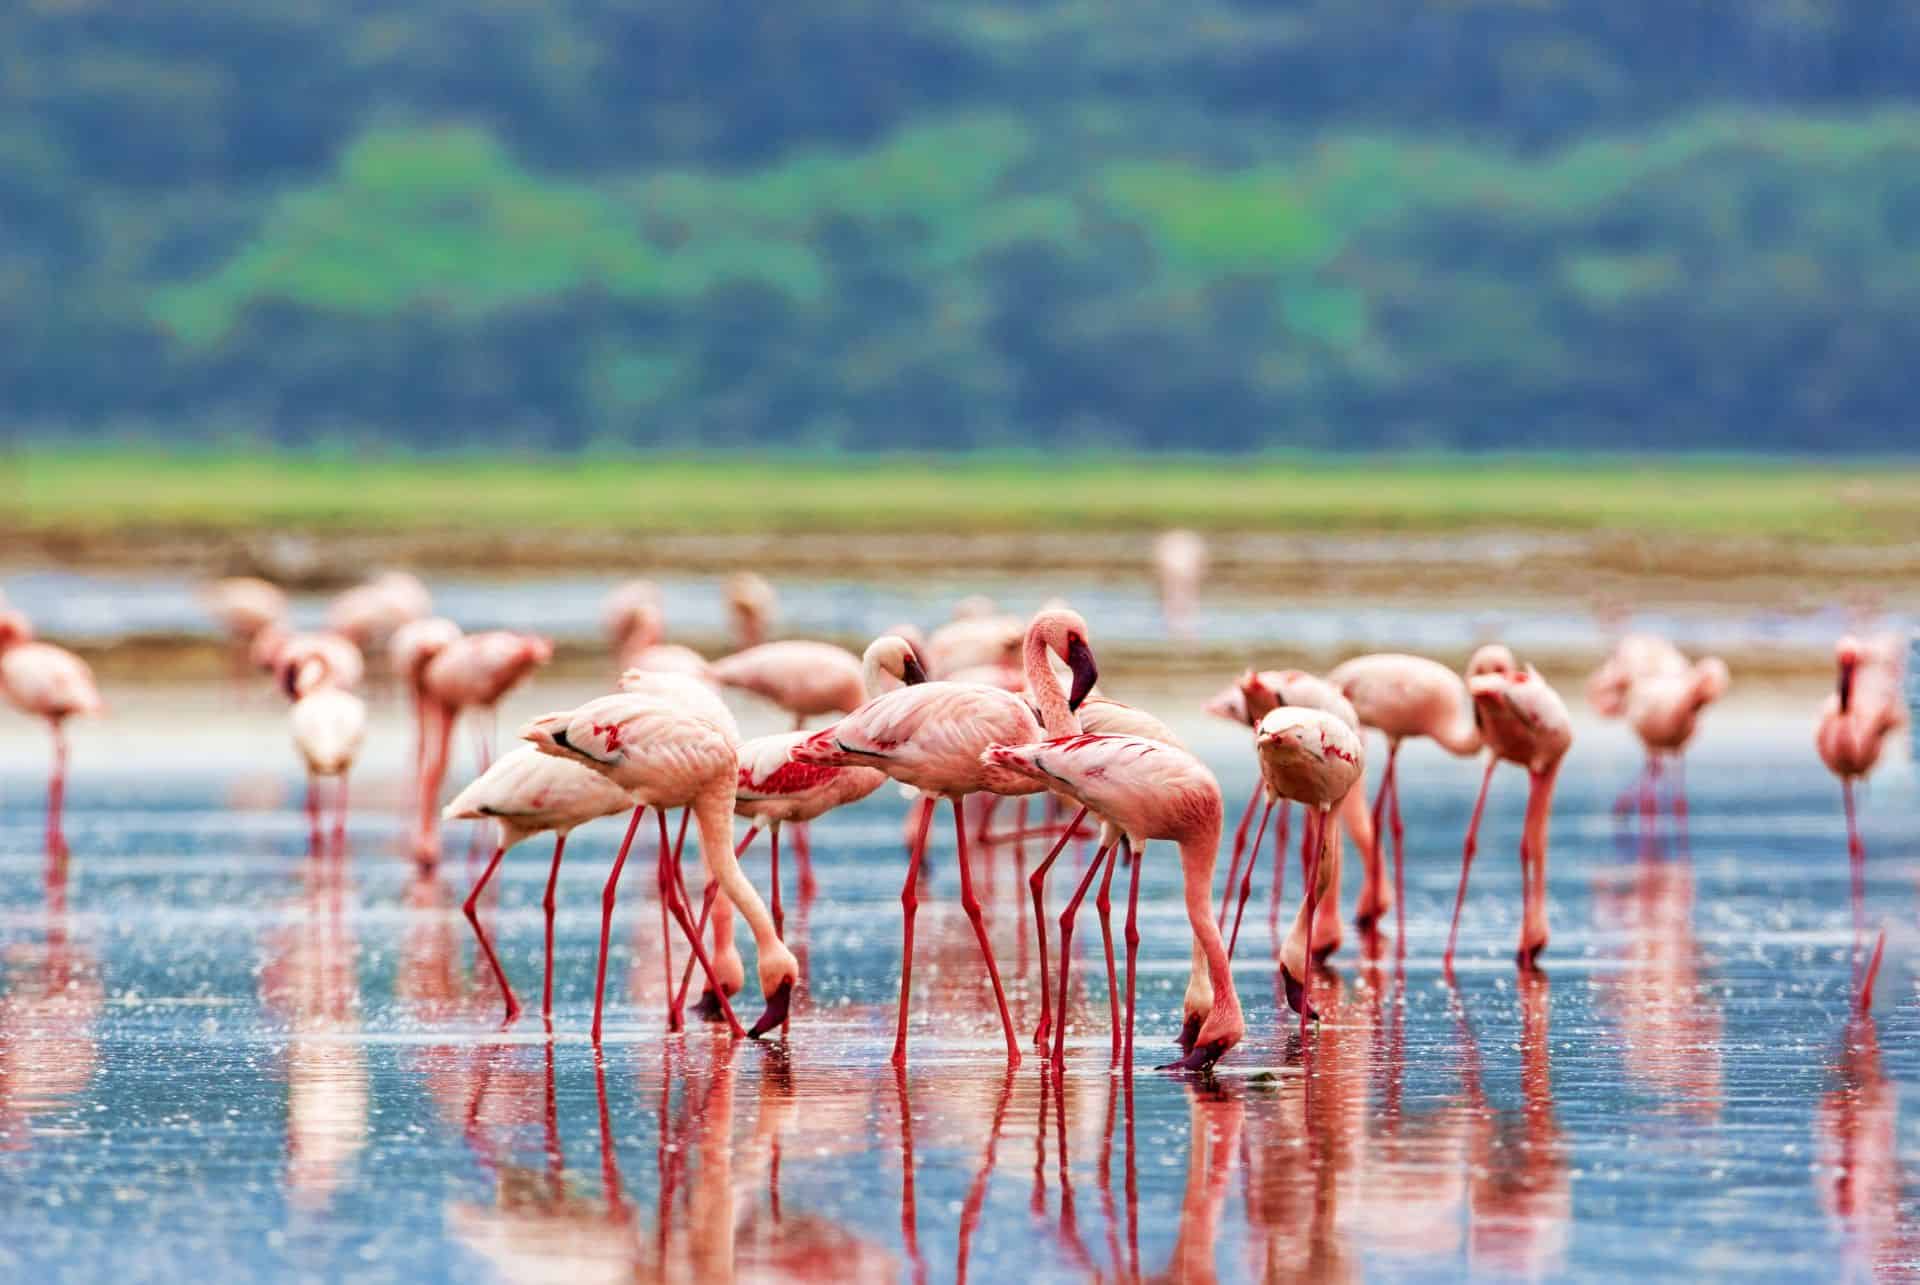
[
  {"x": 412, "y": 645},
  {"x": 1147, "y": 790},
  {"x": 1180, "y": 559},
  {"x": 1405, "y": 696},
  {"x": 370, "y": 613},
  {"x": 1664, "y": 711},
  {"x": 668, "y": 757},
  {"x": 328, "y": 723},
  {"x": 637, "y": 624},
  {"x": 930, "y": 736},
  {"x": 1247, "y": 702},
  {"x": 1524, "y": 721},
  {"x": 526, "y": 793},
  {"x": 244, "y": 605},
  {"x": 48, "y": 682},
  {"x": 274, "y": 649},
  {"x": 981, "y": 637},
  {"x": 1634, "y": 658},
  {"x": 1853, "y": 728},
  {"x": 1313, "y": 758},
  {"x": 471, "y": 672},
  {"x": 803, "y": 678},
  {"x": 752, "y": 606}
]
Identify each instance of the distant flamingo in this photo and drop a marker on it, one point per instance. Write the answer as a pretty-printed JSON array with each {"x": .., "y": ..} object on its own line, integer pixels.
[
  {"x": 669, "y": 758},
  {"x": 1180, "y": 559},
  {"x": 637, "y": 624},
  {"x": 752, "y": 606},
  {"x": 1854, "y": 724},
  {"x": 803, "y": 678},
  {"x": 328, "y": 723},
  {"x": 1664, "y": 710},
  {"x": 526, "y": 793},
  {"x": 1525, "y": 722},
  {"x": 412, "y": 645},
  {"x": 244, "y": 605},
  {"x": 1405, "y": 696},
  {"x": 472, "y": 672},
  {"x": 1313, "y": 758},
  {"x": 977, "y": 635},
  {"x": 369, "y": 613},
  {"x": 1636, "y": 657},
  {"x": 274, "y": 649},
  {"x": 48, "y": 682},
  {"x": 931, "y": 737},
  {"x": 1148, "y": 790}
]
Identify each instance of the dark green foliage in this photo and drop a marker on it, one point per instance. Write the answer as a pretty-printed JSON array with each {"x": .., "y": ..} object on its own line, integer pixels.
[{"x": 1326, "y": 223}]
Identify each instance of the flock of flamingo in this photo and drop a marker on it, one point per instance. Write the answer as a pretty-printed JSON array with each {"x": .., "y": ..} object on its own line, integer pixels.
[{"x": 983, "y": 708}]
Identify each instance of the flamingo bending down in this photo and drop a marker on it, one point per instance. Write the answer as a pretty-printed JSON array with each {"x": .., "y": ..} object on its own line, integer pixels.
[
  {"x": 931, "y": 737},
  {"x": 1313, "y": 758},
  {"x": 370, "y": 613},
  {"x": 637, "y": 624},
  {"x": 668, "y": 757},
  {"x": 1257, "y": 694},
  {"x": 1664, "y": 711},
  {"x": 1525, "y": 722},
  {"x": 1147, "y": 790},
  {"x": 471, "y": 672},
  {"x": 328, "y": 723},
  {"x": 274, "y": 649},
  {"x": 752, "y": 606},
  {"x": 412, "y": 645},
  {"x": 803, "y": 678},
  {"x": 526, "y": 793},
  {"x": 1853, "y": 728},
  {"x": 1404, "y": 696},
  {"x": 1634, "y": 659},
  {"x": 47, "y": 682},
  {"x": 244, "y": 605}
]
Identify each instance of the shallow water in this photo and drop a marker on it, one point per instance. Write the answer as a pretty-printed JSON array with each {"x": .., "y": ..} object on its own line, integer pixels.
[{"x": 224, "y": 1057}]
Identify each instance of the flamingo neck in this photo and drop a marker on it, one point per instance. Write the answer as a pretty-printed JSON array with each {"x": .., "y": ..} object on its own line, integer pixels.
[
  {"x": 1462, "y": 736},
  {"x": 713, "y": 812},
  {"x": 1055, "y": 716},
  {"x": 1197, "y": 854}
]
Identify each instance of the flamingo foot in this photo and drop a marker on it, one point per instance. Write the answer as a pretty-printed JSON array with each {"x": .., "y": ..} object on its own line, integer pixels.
[
  {"x": 1297, "y": 994},
  {"x": 1189, "y": 1032},
  {"x": 776, "y": 1014},
  {"x": 1201, "y": 1058}
]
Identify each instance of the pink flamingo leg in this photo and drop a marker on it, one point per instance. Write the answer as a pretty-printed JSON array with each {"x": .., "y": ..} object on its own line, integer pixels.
[
  {"x": 670, "y": 889},
  {"x": 1246, "y": 880},
  {"x": 1066, "y": 952},
  {"x": 971, "y": 904},
  {"x": 607, "y": 896},
  {"x": 340, "y": 817},
  {"x": 1133, "y": 972},
  {"x": 547, "y": 904},
  {"x": 706, "y": 910},
  {"x": 1857, "y": 864},
  {"x": 472, "y": 908},
  {"x": 779, "y": 915},
  {"x": 1388, "y": 783},
  {"x": 909, "y": 905},
  {"x": 1104, "y": 904},
  {"x": 1466, "y": 862},
  {"x": 1037, "y": 885},
  {"x": 803, "y": 857},
  {"x": 1319, "y": 823},
  {"x": 1279, "y": 876},
  {"x": 57, "y": 785},
  {"x": 313, "y": 814},
  {"x": 1239, "y": 847}
]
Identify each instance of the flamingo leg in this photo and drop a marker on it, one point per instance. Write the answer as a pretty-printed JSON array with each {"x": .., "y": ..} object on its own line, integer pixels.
[
  {"x": 313, "y": 814},
  {"x": 1388, "y": 780},
  {"x": 607, "y": 897},
  {"x": 971, "y": 904},
  {"x": 57, "y": 783},
  {"x": 670, "y": 889},
  {"x": 340, "y": 817},
  {"x": 1037, "y": 884},
  {"x": 803, "y": 857},
  {"x": 1104, "y": 904},
  {"x": 909, "y": 906},
  {"x": 1466, "y": 861},
  {"x": 1133, "y": 972},
  {"x": 779, "y": 915},
  {"x": 1856, "y": 863},
  {"x": 1399, "y": 855},
  {"x": 1246, "y": 880},
  {"x": 1239, "y": 847},
  {"x": 1279, "y": 876},
  {"x": 1067, "y": 916},
  {"x": 547, "y": 904},
  {"x": 1679, "y": 787},
  {"x": 1321, "y": 829},
  {"x": 472, "y": 908}
]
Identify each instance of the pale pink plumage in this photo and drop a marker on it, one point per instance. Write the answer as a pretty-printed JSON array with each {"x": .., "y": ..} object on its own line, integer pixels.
[
  {"x": 370, "y": 612},
  {"x": 803, "y": 678},
  {"x": 929, "y": 737},
  {"x": 1634, "y": 659},
  {"x": 47, "y": 681}
]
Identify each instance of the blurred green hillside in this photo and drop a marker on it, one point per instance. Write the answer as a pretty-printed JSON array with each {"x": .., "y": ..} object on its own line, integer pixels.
[{"x": 1370, "y": 223}]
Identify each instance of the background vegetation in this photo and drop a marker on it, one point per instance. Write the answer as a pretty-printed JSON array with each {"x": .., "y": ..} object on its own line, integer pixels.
[{"x": 1099, "y": 224}]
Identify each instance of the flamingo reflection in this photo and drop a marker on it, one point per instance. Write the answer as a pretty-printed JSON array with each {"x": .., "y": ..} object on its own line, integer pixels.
[
  {"x": 48, "y": 1010},
  {"x": 1670, "y": 1023},
  {"x": 1857, "y": 1135}
]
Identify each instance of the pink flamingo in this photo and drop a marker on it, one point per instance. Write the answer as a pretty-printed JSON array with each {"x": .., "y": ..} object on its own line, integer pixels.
[
  {"x": 1180, "y": 558},
  {"x": 244, "y": 605},
  {"x": 670, "y": 758},
  {"x": 1664, "y": 711},
  {"x": 978, "y": 635},
  {"x": 930, "y": 737},
  {"x": 1405, "y": 696},
  {"x": 1524, "y": 721},
  {"x": 803, "y": 678},
  {"x": 1634, "y": 658},
  {"x": 274, "y": 649},
  {"x": 412, "y": 645},
  {"x": 752, "y": 607},
  {"x": 1146, "y": 790},
  {"x": 637, "y": 624},
  {"x": 526, "y": 793},
  {"x": 1854, "y": 724},
  {"x": 369, "y": 613},
  {"x": 329, "y": 723},
  {"x": 48, "y": 682},
  {"x": 471, "y": 672},
  {"x": 1313, "y": 758},
  {"x": 1249, "y": 701}
]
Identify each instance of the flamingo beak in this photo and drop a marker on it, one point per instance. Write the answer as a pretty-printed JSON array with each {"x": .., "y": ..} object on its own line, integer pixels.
[
  {"x": 776, "y": 1015},
  {"x": 911, "y": 671},
  {"x": 1201, "y": 1058},
  {"x": 1189, "y": 1032},
  {"x": 1085, "y": 672},
  {"x": 1297, "y": 994},
  {"x": 1846, "y": 683}
]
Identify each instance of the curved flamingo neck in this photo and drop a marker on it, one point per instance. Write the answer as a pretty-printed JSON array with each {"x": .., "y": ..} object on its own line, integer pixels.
[
  {"x": 713, "y": 812},
  {"x": 1462, "y": 736},
  {"x": 1197, "y": 853},
  {"x": 1055, "y": 716}
]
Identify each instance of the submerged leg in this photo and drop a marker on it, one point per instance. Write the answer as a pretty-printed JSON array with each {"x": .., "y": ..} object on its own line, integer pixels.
[
  {"x": 1104, "y": 904},
  {"x": 1037, "y": 885},
  {"x": 1133, "y": 959},
  {"x": 547, "y": 906},
  {"x": 607, "y": 896}
]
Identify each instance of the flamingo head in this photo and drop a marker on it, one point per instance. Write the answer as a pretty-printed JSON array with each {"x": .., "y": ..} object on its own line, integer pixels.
[
  {"x": 1710, "y": 680},
  {"x": 1257, "y": 698},
  {"x": 891, "y": 657},
  {"x": 751, "y": 600},
  {"x": 1493, "y": 658},
  {"x": 1847, "y": 653},
  {"x": 1231, "y": 704},
  {"x": 304, "y": 674},
  {"x": 1063, "y": 632},
  {"x": 537, "y": 649},
  {"x": 548, "y": 734},
  {"x": 264, "y": 651},
  {"x": 416, "y": 643},
  {"x": 14, "y": 628}
]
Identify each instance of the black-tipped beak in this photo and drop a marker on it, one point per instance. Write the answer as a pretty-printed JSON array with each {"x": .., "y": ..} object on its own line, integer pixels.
[
  {"x": 1297, "y": 995},
  {"x": 560, "y": 741},
  {"x": 289, "y": 677},
  {"x": 776, "y": 1015},
  {"x": 1085, "y": 672},
  {"x": 911, "y": 671},
  {"x": 1189, "y": 1032},
  {"x": 1202, "y": 1057},
  {"x": 1846, "y": 684}
]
